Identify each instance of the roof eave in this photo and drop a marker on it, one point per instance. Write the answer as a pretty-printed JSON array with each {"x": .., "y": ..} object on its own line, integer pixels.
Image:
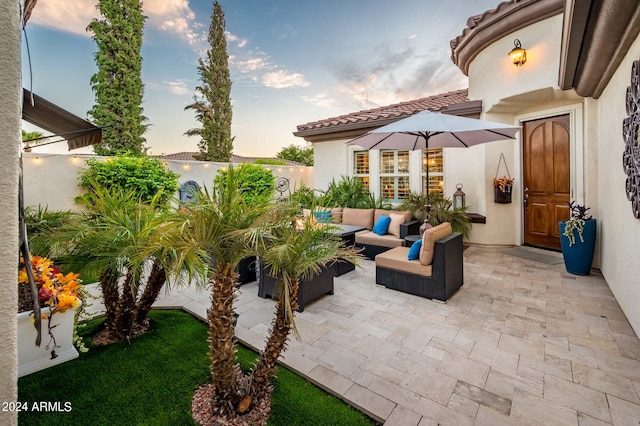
[{"x": 593, "y": 30}]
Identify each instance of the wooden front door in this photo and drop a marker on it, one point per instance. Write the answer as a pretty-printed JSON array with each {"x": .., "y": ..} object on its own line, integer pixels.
[{"x": 547, "y": 186}]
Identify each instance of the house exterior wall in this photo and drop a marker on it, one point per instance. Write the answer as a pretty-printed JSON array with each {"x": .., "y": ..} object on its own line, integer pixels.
[
  {"x": 330, "y": 161},
  {"x": 515, "y": 94},
  {"x": 619, "y": 229},
  {"x": 10, "y": 93},
  {"x": 511, "y": 95},
  {"x": 52, "y": 180}
]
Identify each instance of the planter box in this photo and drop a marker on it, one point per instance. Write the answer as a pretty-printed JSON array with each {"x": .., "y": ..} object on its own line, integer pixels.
[
  {"x": 308, "y": 290},
  {"x": 32, "y": 358},
  {"x": 579, "y": 256},
  {"x": 501, "y": 197}
]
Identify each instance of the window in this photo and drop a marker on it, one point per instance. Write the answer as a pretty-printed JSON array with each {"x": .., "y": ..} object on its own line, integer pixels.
[
  {"x": 394, "y": 174},
  {"x": 361, "y": 167},
  {"x": 436, "y": 170}
]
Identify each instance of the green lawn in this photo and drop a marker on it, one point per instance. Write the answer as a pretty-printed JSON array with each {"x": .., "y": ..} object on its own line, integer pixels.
[{"x": 151, "y": 382}]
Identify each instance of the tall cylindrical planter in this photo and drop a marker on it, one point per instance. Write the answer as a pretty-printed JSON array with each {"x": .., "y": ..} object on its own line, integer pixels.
[
  {"x": 32, "y": 358},
  {"x": 578, "y": 257}
]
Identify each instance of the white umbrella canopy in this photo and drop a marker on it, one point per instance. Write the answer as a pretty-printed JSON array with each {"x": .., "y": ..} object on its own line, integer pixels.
[{"x": 428, "y": 129}]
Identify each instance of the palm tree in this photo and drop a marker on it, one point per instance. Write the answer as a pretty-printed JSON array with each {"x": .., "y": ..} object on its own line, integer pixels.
[
  {"x": 111, "y": 240},
  {"x": 291, "y": 255},
  {"x": 207, "y": 231}
]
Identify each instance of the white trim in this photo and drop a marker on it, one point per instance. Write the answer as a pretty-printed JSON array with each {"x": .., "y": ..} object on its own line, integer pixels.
[{"x": 576, "y": 148}]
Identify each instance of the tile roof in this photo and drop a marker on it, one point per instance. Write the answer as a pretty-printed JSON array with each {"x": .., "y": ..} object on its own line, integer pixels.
[
  {"x": 400, "y": 110},
  {"x": 235, "y": 159}
]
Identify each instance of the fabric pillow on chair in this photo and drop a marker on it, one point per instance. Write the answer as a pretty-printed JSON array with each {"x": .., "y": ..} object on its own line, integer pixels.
[
  {"x": 414, "y": 251},
  {"x": 322, "y": 216},
  {"x": 382, "y": 225},
  {"x": 394, "y": 226}
]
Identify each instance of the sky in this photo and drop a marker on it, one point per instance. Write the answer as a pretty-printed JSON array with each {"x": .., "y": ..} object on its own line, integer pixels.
[{"x": 291, "y": 61}]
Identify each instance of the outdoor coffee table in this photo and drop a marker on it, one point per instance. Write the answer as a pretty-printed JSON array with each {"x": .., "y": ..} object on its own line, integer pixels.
[{"x": 347, "y": 234}]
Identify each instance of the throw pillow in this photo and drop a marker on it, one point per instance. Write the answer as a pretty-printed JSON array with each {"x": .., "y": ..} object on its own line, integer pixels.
[
  {"x": 322, "y": 216},
  {"x": 382, "y": 225},
  {"x": 414, "y": 251},
  {"x": 394, "y": 226}
]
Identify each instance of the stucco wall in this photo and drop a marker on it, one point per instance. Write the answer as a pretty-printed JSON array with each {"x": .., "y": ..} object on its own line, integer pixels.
[
  {"x": 330, "y": 161},
  {"x": 52, "y": 180},
  {"x": 492, "y": 76},
  {"x": 10, "y": 93},
  {"x": 619, "y": 230},
  {"x": 511, "y": 94}
]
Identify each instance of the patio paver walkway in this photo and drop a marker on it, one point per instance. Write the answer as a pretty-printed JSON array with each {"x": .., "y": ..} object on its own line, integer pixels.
[{"x": 522, "y": 343}]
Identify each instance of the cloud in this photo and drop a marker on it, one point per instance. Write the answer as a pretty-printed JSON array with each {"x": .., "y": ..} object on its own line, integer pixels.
[
  {"x": 251, "y": 65},
  {"x": 284, "y": 79},
  {"x": 232, "y": 38},
  {"x": 178, "y": 87},
  {"x": 390, "y": 77},
  {"x": 174, "y": 16},
  {"x": 73, "y": 16},
  {"x": 322, "y": 100}
]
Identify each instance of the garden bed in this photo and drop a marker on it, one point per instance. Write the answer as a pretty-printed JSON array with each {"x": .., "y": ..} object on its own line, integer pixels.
[{"x": 152, "y": 381}]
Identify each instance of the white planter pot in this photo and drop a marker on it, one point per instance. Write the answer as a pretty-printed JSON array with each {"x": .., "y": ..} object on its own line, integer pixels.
[{"x": 32, "y": 358}]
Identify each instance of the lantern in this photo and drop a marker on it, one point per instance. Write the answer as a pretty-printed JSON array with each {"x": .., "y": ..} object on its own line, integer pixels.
[{"x": 458, "y": 197}]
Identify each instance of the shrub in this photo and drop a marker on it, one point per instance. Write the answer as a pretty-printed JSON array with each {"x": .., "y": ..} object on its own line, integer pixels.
[
  {"x": 441, "y": 211},
  {"x": 143, "y": 176},
  {"x": 255, "y": 182},
  {"x": 270, "y": 162}
]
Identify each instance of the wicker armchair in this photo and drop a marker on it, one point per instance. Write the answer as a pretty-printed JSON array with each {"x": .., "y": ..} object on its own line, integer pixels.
[{"x": 439, "y": 280}]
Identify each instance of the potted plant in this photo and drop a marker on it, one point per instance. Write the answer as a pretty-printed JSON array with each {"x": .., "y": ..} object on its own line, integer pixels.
[
  {"x": 59, "y": 296},
  {"x": 502, "y": 189},
  {"x": 578, "y": 239}
]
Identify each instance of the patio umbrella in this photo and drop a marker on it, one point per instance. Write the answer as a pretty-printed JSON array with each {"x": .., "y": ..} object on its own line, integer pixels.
[{"x": 428, "y": 129}]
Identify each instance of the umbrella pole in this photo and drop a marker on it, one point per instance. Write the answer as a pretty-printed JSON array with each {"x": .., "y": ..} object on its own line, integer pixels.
[{"x": 427, "y": 206}]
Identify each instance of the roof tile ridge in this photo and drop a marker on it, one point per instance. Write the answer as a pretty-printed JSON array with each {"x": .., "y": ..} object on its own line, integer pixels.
[{"x": 474, "y": 20}]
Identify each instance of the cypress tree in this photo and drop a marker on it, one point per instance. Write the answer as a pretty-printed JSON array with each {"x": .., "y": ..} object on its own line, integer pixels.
[
  {"x": 117, "y": 85},
  {"x": 212, "y": 104}
]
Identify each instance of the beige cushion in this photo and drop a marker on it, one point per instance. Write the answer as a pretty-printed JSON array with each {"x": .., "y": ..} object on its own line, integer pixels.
[
  {"x": 394, "y": 225},
  {"x": 429, "y": 240},
  {"x": 336, "y": 215},
  {"x": 386, "y": 240},
  {"x": 358, "y": 217},
  {"x": 306, "y": 212},
  {"x": 378, "y": 212},
  {"x": 396, "y": 258}
]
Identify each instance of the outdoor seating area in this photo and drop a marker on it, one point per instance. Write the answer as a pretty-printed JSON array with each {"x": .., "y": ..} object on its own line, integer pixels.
[
  {"x": 435, "y": 271},
  {"x": 370, "y": 242},
  {"x": 523, "y": 342}
]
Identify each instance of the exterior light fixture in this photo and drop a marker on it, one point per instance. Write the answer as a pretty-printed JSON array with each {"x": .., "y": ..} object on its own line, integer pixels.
[
  {"x": 518, "y": 54},
  {"x": 458, "y": 197}
]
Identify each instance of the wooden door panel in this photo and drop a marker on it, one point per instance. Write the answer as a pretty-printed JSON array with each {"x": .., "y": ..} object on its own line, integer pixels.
[
  {"x": 560, "y": 165},
  {"x": 539, "y": 219},
  {"x": 546, "y": 167}
]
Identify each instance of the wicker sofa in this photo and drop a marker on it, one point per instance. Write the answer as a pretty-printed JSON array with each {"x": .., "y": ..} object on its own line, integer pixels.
[
  {"x": 368, "y": 241},
  {"x": 436, "y": 274}
]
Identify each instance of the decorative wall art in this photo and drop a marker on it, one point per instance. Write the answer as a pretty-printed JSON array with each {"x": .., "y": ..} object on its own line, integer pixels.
[{"x": 630, "y": 133}]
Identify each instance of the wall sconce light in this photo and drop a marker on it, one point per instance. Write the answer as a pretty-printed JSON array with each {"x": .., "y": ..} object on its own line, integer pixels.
[
  {"x": 518, "y": 54},
  {"x": 458, "y": 197}
]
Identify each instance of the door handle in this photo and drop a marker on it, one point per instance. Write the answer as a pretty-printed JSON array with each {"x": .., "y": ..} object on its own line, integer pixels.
[{"x": 525, "y": 198}]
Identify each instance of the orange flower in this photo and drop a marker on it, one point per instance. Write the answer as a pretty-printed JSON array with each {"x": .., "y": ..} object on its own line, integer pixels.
[{"x": 56, "y": 290}]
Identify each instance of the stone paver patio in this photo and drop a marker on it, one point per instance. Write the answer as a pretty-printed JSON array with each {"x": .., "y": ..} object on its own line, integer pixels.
[{"x": 521, "y": 343}]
